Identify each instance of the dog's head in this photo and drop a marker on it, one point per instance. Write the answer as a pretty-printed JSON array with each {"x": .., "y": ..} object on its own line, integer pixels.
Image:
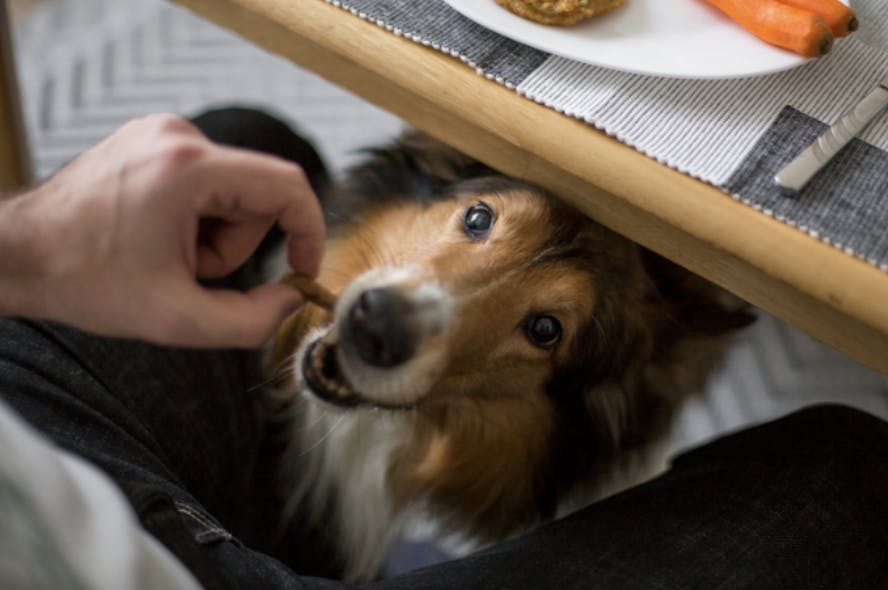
[{"x": 524, "y": 344}]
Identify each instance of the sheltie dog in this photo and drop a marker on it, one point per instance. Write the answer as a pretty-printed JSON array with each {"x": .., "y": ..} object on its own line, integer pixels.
[{"x": 495, "y": 359}]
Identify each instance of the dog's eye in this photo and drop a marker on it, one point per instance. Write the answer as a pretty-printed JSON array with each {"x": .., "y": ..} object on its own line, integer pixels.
[
  {"x": 477, "y": 221},
  {"x": 543, "y": 331}
]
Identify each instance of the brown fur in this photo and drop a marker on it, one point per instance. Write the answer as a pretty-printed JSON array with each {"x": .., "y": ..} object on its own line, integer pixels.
[{"x": 510, "y": 430}]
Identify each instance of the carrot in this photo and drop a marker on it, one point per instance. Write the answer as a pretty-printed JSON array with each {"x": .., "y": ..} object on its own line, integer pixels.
[
  {"x": 840, "y": 18},
  {"x": 782, "y": 25}
]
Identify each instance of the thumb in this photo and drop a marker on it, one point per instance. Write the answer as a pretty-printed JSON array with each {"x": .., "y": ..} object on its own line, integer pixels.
[{"x": 244, "y": 320}]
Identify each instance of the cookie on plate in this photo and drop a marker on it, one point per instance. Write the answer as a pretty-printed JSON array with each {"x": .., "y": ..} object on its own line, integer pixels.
[{"x": 558, "y": 12}]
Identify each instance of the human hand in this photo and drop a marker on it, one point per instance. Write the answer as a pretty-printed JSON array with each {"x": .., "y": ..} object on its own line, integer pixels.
[{"x": 114, "y": 243}]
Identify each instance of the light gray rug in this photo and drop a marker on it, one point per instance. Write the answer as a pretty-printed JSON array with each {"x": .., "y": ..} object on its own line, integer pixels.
[{"x": 89, "y": 65}]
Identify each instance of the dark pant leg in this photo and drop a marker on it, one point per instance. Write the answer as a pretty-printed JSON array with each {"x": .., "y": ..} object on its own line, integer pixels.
[
  {"x": 180, "y": 431},
  {"x": 798, "y": 503},
  {"x": 175, "y": 429}
]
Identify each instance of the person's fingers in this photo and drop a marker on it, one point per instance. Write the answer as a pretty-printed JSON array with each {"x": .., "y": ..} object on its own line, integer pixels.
[
  {"x": 304, "y": 254},
  {"x": 236, "y": 184},
  {"x": 226, "y": 318},
  {"x": 223, "y": 246},
  {"x": 161, "y": 124}
]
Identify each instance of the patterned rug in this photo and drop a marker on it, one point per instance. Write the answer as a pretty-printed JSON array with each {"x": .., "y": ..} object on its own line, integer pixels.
[{"x": 87, "y": 66}]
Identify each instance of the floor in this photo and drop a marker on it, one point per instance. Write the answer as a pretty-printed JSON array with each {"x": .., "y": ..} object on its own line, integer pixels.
[{"x": 86, "y": 66}]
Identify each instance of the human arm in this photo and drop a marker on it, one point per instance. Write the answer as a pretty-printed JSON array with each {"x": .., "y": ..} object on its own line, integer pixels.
[{"x": 114, "y": 243}]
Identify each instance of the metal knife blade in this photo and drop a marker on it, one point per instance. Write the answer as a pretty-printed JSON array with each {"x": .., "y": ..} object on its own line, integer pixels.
[{"x": 797, "y": 173}]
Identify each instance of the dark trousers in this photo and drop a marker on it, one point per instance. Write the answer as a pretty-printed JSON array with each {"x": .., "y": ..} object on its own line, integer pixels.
[{"x": 798, "y": 503}]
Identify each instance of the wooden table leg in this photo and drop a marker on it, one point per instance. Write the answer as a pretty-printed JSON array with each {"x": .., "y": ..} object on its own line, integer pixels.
[{"x": 15, "y": 169}]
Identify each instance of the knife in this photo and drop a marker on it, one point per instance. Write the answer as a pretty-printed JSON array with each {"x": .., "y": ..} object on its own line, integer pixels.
[{"x": 797, "y": 173}]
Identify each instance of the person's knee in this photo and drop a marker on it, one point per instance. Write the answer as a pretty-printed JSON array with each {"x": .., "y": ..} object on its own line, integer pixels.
[
  {"x": 835, "y": 427},
  {"x": 823, "y": 435},
  {"x": 833, "y": 445}
]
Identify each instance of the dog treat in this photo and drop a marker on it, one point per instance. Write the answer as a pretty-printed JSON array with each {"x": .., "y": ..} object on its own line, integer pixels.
[
  {"x": 558, "y": 12},
  {"x": 312, "y": 290}
]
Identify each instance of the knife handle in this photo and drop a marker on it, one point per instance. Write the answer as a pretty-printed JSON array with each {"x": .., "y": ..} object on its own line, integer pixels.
[{"x": 798, "y": 172}]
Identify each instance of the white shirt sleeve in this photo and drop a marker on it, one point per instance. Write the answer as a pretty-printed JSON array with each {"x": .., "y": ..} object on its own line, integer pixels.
[{"x": 64, "y": 524}]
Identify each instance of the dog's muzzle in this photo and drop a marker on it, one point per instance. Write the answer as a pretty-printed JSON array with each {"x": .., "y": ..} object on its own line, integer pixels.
[{"x": 386, "y": 345}]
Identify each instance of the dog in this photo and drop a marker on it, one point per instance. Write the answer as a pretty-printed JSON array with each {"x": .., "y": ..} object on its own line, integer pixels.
[{"x": 495, "y": 359}]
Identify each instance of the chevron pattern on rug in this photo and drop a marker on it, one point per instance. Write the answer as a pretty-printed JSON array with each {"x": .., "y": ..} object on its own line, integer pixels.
[
  {"x": 87, "y": 66},
  {"x": 773, "y": 370}
]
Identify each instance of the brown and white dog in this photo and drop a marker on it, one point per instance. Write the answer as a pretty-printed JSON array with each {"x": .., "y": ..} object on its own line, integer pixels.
[{"x": 495, "y": 359}]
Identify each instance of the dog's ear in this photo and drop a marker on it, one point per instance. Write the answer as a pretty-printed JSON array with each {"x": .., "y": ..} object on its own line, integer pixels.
[
  {"x": 695, "y": 319},
  {"x": 672, "y": 333}
]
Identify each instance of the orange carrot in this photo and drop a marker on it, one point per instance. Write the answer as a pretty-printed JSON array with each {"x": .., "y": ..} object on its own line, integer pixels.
[
  {"x": 782, "y": 25},
  {"x": 840, "y": 18}
]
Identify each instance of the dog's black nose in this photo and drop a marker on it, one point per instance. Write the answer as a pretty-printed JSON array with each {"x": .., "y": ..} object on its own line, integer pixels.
[{"x": 381, "y": 327}]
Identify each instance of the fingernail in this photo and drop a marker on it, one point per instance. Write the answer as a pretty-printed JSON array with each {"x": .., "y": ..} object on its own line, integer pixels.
[
  {"x": 293, "y": 304},
  {"x": 305, "y": 256}
]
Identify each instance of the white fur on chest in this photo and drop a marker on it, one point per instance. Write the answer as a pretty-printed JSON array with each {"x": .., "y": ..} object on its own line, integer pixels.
[{"x": 348, "y": 454}]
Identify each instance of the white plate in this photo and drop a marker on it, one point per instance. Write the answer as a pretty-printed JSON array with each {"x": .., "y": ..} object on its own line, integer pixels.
[{"x": 674, "y": 38}]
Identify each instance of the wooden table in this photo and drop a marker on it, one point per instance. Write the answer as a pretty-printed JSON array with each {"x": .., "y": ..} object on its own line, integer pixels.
[
  {"x": 839, "y": 299},
  {"x": 15, "y": 169}
]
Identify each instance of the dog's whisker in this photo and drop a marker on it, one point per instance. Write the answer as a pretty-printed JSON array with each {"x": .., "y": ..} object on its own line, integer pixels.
[
  {"x": 278, "y": 375},
  {"x": 323, "y": 438},
  {"x": 262, "y": 384},
  {"x": 301, "y": 428},
  {"x": 275, "y": 379}
]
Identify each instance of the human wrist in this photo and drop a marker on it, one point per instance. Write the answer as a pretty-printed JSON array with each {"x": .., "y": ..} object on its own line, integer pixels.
[{"x": 24, "y": 263}]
